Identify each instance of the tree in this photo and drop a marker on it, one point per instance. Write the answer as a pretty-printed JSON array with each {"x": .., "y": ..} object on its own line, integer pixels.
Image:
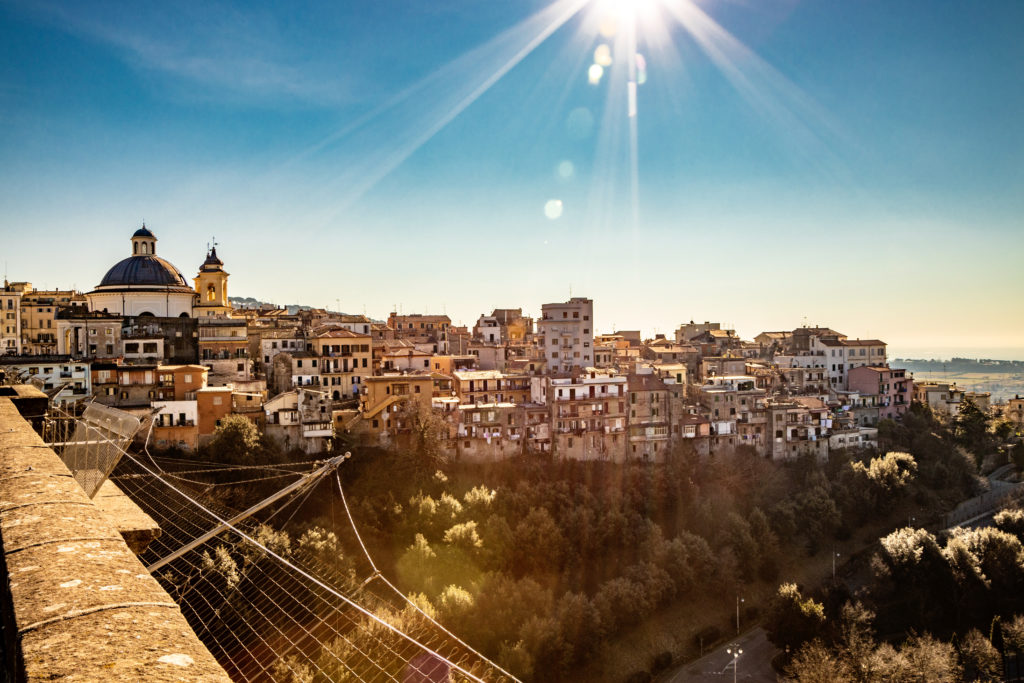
[
  {"x": 1011, "y": 521},
  {"x": 792, "y": 619},
  {"x": 931, "y": 660},
  {"x": 857, "y": 640},
  {"x": 981, "y": 661},
  {"x": 970, "y": 429},
  {"x": 815, "y": 663},
  {"x": 429, "y": 430},
  {"x": 236, "y": 440}
]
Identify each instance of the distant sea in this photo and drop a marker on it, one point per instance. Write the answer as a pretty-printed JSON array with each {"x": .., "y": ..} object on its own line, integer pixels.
[{"x": 946, "y": 353}]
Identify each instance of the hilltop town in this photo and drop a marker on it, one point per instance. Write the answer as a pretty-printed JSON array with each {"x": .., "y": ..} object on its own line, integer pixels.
[{"x": 145, "y": 340}]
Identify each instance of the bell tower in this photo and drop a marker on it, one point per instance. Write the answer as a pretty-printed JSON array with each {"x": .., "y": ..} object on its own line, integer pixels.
[{"x": 212, "y": 287}]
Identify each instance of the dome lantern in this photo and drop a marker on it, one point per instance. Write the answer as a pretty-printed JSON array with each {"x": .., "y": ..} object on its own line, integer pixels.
[{"x": 143, "y": 242}]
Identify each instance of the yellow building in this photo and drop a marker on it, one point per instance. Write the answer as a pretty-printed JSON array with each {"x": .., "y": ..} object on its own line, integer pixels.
[
  {"x": 39, "y": 319},
  {"x": 345, "y": 361},
  {"x": 211, "y": 288},
  {"x": 385, "y": 400}
]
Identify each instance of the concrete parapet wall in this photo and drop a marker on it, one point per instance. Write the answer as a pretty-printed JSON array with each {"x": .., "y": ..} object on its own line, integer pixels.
[{"x": 77, "y": 604}]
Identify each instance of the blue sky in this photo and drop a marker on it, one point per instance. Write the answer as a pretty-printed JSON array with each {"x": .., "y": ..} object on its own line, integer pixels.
[{"x": 857, "y": 164}]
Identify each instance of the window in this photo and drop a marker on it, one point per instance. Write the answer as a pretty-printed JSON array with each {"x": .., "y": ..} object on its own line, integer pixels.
[{"x": 217, "y": 400}]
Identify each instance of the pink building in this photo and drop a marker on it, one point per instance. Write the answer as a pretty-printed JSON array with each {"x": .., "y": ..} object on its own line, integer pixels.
[{"x": 892, "y": 387}]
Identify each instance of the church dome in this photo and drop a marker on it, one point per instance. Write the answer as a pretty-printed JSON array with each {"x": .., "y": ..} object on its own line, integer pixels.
[
  {"x": 149, "y": 270},
  {"x": 144, "y": 232}
]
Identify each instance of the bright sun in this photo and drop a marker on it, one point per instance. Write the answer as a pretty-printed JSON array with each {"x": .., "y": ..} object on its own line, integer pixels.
[{"x": 629, "y": 10}]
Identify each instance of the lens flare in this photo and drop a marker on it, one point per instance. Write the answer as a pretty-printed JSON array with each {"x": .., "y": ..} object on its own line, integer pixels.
[
  {"x": 580, "y": 123},
  {"x": 603, "y": 55},
  {"x": 566, "y": 170},
  {"x": 594, "y": 73},
  {"x": 553, "y": 209}
]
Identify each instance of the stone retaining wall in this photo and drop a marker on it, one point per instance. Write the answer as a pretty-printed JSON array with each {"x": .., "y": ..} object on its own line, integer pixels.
[{"x": 76, "y": 603}]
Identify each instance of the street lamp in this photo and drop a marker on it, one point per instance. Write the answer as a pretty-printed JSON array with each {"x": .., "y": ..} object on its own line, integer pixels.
[
  {"x": 738, "y": 601},
  {"x": 834, "y": 556},
  {"x": 735, "y": 650}
]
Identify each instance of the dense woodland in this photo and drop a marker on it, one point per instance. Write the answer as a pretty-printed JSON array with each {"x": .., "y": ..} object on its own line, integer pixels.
[
  {"x": 541, "y": 563},
  {"x": 934, "y": 605}
]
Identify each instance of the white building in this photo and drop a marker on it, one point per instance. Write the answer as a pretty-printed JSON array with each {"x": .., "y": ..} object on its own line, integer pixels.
[
  {"x": 487, "y": 328},
  {"x": 567, "y": 334},
  {"x": 10, "y": 316},
  {"x": 842, "y": 355},
  {"x": 143, "y": 284},
  {"x": 51, "y": 372}
]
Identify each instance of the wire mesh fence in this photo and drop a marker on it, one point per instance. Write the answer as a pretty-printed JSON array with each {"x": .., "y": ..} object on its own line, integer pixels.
[{"x": 90, "y": 444}]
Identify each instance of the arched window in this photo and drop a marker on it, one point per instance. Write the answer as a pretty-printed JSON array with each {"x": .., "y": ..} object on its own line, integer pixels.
[
  {"x": 136, "y": 247},
  {"x": 211, "y": 293},
  {"x": 145, "y": 248}
]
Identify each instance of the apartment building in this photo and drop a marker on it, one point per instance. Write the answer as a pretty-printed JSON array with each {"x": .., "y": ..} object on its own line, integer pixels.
[
  {"x": 180, "y": 382},
  {"x": 588, "y": 413},
  {"x": 88, "y": 334},
  {"x": 39, "y": 318},
  {"x": 66, "y": 379},
  {"x": 10, "y": 316},
  {"x": 345, "y": 361},
  {"x": 490, "y": 386},
  {"x": 224, "y": 349},
  {"x": 429, "y": 330},
  {"x": 566, "y": 334},
  {"x": 892, "y": 388},
  {"x": 944, "y": 398}
]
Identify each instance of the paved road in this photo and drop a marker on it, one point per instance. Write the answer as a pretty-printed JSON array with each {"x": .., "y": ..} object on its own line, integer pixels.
[{"x": 754, "y": 664}]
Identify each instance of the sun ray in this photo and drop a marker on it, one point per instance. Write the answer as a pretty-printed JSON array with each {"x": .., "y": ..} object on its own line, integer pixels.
[
  {"x": 386, "y": 145},
  {"x": 782, "y": 103}
]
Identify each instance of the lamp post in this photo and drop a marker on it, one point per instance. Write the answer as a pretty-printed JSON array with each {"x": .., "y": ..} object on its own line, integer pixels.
[
  {"x": 735, "y": 650},
  {"x": 738, "y": 601},
  {"x": 834, "y": 556}
]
